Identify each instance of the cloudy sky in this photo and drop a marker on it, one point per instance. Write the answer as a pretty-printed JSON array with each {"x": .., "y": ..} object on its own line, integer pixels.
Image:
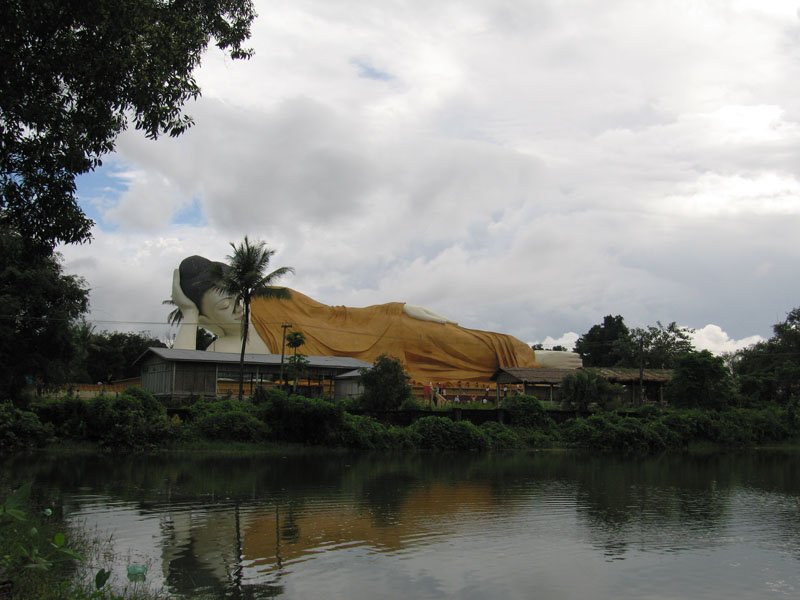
[{"x": 519, "y": 166}]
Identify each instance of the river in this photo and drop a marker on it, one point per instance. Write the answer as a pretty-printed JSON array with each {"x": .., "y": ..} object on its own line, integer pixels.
[{"x": 547, "y": 525}]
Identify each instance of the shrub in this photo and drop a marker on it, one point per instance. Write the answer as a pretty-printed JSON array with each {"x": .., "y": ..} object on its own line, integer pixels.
[
  {"x": 68, "y": 415},
  {"x": 234, "y": 425},
  {"x": 501, "y": 437},
  {"x": 533, "y": 438},
  {"x": 132, "y": 420},
  {"x": 581, "y": 388},
  {"x": 21, "y": 429},
  {"x": 612, "y": 432},
  {"x": 363, "y": 433},
  {"x": 266, "y": 395},
  {"x": 302, "y": 420},
  {"x": 411, "y": 403},
  {"x": 403, "y": 439},
  {"x": 527, "y": 411},
  {"x": 440, "y": 433}
]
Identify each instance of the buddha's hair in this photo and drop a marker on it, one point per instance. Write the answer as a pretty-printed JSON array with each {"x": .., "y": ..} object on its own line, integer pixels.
[{"x": 196, "y": 274}]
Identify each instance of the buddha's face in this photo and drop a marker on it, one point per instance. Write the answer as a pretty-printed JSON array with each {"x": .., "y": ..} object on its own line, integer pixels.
[{"x": 222, "y": 312}]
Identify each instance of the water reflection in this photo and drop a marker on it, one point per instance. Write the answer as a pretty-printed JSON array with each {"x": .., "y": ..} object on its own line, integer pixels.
[{"x": 250, "y": 526}]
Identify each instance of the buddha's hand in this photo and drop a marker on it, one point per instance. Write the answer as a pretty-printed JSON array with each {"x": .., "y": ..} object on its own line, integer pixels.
[{"x": 188, "y": 308}]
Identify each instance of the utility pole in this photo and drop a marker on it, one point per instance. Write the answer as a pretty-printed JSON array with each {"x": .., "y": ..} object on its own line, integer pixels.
[
  {"x": 641, "y": 370},
  {"x": 283, "y": 348}
]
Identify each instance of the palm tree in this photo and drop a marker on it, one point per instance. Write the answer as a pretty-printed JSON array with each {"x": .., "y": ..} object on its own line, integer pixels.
[
  {"x": 243, "y": 279},
  {"x": 294, "y": 340}
]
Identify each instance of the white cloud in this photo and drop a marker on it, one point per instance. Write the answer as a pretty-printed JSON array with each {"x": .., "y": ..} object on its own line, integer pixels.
[
  {"x": 713, "y": 338},
  {"x": 566, "y": 340},
  {"x": 525, "y": 167}
]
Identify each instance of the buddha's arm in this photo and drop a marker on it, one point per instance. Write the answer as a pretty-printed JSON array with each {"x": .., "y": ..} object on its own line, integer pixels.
[
  {"x": 186, "y": 338},
  {"x": 425, "y": 314}
]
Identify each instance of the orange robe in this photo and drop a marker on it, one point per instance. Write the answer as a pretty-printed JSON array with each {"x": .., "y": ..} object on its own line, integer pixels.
[{"x": 441, "y": 353}]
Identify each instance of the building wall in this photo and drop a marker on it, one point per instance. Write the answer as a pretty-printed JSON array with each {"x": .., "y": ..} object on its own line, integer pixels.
[
  {"x": 347, "y": 388},
  {"x": 193, "y": 379},
  {"x": 157, "y": 376}
]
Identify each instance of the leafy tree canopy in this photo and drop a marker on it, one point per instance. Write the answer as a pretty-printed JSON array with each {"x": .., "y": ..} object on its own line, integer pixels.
[
  {"x": 110, "y": 354},
  {"x": 386, "y": 384},
  {"x": 38, "y": 307},
  {"x": 660, "y": 346},
  {"x": 75, "y": 73},
  {"x": 770, "y": 371},
  {"x": 606, "y": 344},
  {"x": 612, "y": 344},
  {"x": 581, "y": 388},
  {"x": 701, "y": 380}
]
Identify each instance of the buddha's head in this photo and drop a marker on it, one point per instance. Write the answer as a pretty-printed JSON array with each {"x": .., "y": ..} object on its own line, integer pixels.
[{"x": 218, "y": 312}]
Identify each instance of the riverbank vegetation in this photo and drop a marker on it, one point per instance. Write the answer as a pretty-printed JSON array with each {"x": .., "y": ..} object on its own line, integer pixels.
[{"x": 135, "y": 421}]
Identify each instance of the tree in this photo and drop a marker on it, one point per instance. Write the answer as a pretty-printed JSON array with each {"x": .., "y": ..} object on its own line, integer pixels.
[
  {"x": 297, "y": 363},
  {"x": 701, "y": 380},
  {"x": 769, "y": 371},
  {"x": 298, "y": 367},
  {"x": 604, "y": 345},
  {"x": 581, "y": 388},
  {"x": 110, "y": 354},
  {"x": 386, "y": 384},
  {"x": 657, "y": 346},
  {"x": 39, "y": 306},
  {"x": 243, "y": 279},
  {"x": 75, "y": 73}
]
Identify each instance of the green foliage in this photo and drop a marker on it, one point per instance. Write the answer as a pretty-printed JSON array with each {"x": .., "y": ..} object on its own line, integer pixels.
[
  {"x": 264, "y": 395},
  {"x": 403, "y": 439},
  {"x": 582, "y": 388},
  {"x": 677, "y": 428},
  {"x": 770, "y": 371},
  {"x": 604, "y": 345},
  {"x": 386, "y": 384},
  {"x": 412, "y": 403},
  {"x": 110, "y": 355},
  {"x": 657, "y": 346},
  {"x": 612, "y": 344},
  {"x": 302, "y": 420},
  {"x": 29, "y": 544},
  {"x": 527, "y": 411},
  {"x": 75, "y": 74},
  {"x": 297, "y": 368},
  {"x": 440, "y": 433},
  {"x": 133, "y": 420},
  {"x": 21, "y": 429},
  {"x": 38, "y": 304},
  {"x": 612, "y": 432},
  {"x": 501, "y": 437},
  {"x": 701, "y": 380},
  {"x": 364, "y": 433},
  {"x": 227, "y": 419}
]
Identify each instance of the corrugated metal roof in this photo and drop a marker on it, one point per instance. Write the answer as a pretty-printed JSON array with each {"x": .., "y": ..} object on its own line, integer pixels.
[
  {"x": 540, "y": 375},
  {"x": 624, "y": 374},
  {"x": 354, "y": 374},
  {"x": 176, "y": 355}
]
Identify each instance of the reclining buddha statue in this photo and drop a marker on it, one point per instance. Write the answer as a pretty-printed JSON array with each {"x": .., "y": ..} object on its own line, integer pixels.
[{"x": 431, "y": 347}]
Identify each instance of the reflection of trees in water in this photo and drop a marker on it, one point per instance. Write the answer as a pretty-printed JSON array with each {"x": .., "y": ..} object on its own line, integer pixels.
[
  {"x": 652, "y": 503},
  {"x": 658, "y": 503}
]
